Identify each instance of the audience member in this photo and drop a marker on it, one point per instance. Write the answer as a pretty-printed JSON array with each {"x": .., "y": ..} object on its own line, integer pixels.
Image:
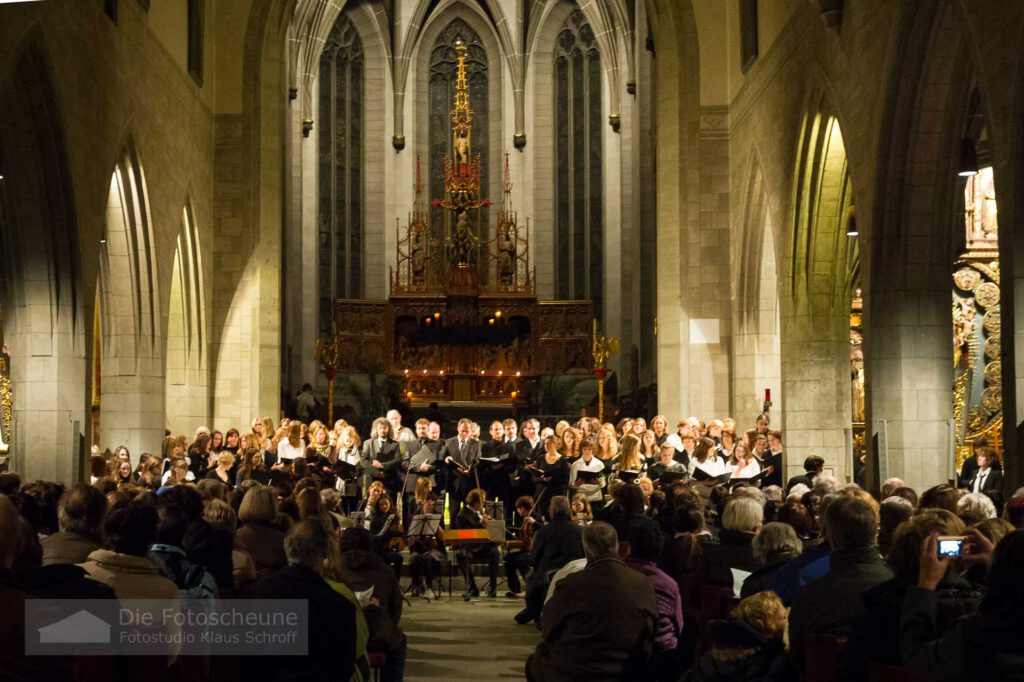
[
  {"x": 258, "y": 535},
  {"x": 554, "y": 545},
  {"x": 740, "y": 522},
  {"x": 361, "y": 570},
  {"x": 833, "y": 603},
  {"x": 597, "y": 639},
  {"x": 332, "y": 620},
  {"x": 892, "y": 512},
  {"x": 985, "y": 646},
  {"x": 749, "y": 646},
  {"x": 877, "y": 635},
  {"x": 80, "y": 515},
  {"x": 774, "y": 545},
  {"x": 645, "y": 547},
  {"x": 974, "y": 508}
]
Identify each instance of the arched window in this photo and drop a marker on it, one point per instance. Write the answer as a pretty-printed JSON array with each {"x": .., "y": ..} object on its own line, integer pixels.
[
  {"x": 340, "y": 160},
  {"x": 579, "y": 219},
  {"x": 443, "y": 67}
]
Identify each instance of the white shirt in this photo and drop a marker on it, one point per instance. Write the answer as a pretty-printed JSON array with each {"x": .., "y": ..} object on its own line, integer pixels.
[
  {"x": 748, "y": 471},
  {"x": 286, "y": 453},
  {"x": 979, "y": 479},
  {"x": 712, "y": 466},
  {"x": 579, "y": 465}
]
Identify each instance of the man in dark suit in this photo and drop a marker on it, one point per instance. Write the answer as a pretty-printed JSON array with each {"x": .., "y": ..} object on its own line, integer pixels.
[
  {"x": 471, "y": 516},
  {"x": 381, "y": 458},
  {"x": 461, "y": 455},
  {"x": 528, "y": 449},
  {"x": 600, "y": 621},
  {"x": 813, "y": 466},
  {"x": 419, "y": 461},
  {"x": 332, "y": 618},
  {"x": 496, "y": 468}
]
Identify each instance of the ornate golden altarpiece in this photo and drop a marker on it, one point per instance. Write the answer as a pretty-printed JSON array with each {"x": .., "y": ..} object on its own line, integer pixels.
[
  {"x": 977, "y": 378},
  {"x": 463, "y": 323}
]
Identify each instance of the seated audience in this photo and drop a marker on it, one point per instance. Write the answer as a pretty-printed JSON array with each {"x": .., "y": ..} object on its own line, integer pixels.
[
  {"x": 974, "y": 508},
  {"x": 597, "y": 639},
  {"x": 748, "y": 646},
  {"x": 645, "y": 547},
  {"x": 833, "y": 604},
  {"x": 361, "y": 569},
  {"x": 985, "y": 646},
  {"x": 220, "y": 514},
  {"x": 332, "y": 620},
  {"x": 207, "y": 546},
  {"x": 168, "y": 553},
  {"x": 892, "y": 512},
  {"x": 876, "y": 637},
  {"x": 122, "y": 564},
  {"x": 554, "y": 545},
  {"x": 774, "y": 545},
  {"x": 258, "y": 535},
  {"x": 80, "y": 515},
  {"x": 741, "y": 520}
]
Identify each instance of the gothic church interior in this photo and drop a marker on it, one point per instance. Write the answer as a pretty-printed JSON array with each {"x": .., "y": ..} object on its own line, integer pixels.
[{"x": 784, "y": 201}]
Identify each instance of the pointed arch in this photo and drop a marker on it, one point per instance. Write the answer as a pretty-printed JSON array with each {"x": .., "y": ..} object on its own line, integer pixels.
[
  {"x": 455, "y": 15},
  {"x": 42, "y": 300},
  {"x": 186, "y": 372},
  {"x": 132, "y": 369},
  {"x": 756, "y": 352}
]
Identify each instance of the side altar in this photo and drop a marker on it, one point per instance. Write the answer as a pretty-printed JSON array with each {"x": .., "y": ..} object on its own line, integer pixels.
[{"x": 462, "y": 321}]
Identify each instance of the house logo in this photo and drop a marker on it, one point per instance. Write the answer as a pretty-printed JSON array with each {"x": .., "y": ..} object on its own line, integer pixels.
[{"x": 81, "y": 627}]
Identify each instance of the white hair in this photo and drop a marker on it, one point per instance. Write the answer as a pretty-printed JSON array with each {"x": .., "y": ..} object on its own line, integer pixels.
[
  {"x": 824, "y": 484},
  {"x": 975, "y": 508},
  {"x": 743, "y": 514},
  {"x": 797, "y": 492}
]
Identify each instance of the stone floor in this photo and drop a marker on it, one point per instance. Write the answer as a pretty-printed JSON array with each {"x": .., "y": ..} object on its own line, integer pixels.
[{"x": 455, "y": 640}]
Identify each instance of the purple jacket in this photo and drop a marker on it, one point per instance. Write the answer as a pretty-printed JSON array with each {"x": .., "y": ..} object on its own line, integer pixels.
[{"x": 670, "y": 605}]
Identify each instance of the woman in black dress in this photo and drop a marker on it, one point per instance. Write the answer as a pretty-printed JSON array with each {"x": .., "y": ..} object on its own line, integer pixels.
[{"x": 550, "y": 473}]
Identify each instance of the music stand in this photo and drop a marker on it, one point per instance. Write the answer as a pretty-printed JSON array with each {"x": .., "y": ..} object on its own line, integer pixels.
[{"x": 424, "y": 525}]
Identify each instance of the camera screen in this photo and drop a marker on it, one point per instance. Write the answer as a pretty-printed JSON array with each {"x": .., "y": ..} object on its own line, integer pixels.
[{"x": 951, "y": 547}]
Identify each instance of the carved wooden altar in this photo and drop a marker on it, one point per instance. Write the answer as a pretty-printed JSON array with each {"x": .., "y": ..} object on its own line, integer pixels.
[{"x": 463, "y": 323}]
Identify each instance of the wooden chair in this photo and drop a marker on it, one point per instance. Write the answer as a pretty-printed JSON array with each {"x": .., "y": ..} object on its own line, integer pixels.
[
  {"x": 716, "y": 603},
  {"x": 823, "y": 653},
  {"x": 378, "y": 659}
]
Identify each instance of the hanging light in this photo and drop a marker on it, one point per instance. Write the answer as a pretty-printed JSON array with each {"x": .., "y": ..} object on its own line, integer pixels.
[
  {"x": 851, "y": 223},
  {"x": 968, "y": 162}
]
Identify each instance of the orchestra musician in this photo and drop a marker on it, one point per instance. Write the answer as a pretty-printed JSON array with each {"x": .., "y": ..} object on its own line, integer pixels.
[
  {"x": 472, "y": 516},
  {"x": 461, "y": 454},
  {"x": 385, "y": 527},
  {"x": 517, "y": 556},
  {"x": 425, "y": 553},
  {"x": 381, "y": 458}
]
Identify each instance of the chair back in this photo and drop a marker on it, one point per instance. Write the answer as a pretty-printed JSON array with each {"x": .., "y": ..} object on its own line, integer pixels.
[{"x": 823, "y": 653}]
